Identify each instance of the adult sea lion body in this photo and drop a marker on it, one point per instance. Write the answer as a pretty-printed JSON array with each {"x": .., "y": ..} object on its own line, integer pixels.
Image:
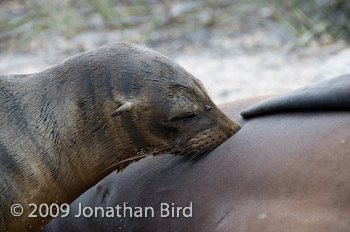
[
  {"x": 64, "y": 129},
  {"x": 282, "y": 172}
]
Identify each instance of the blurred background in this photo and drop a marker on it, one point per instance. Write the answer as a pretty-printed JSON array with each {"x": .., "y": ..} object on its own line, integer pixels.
[{"x": 238, "y": 48}]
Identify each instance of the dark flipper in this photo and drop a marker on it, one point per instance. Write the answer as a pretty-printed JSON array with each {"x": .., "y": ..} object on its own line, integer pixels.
[{"x": 331, "y": 94}]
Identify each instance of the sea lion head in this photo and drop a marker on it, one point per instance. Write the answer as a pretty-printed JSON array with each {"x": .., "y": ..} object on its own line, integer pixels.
[
  {"x": 189, "y": 121},
  {"x": 165, "y": 108}
]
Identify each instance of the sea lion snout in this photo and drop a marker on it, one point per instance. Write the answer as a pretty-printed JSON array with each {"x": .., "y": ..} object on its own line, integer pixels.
[
  {"x": 226, "y": 124},
  {"x": 228, "y": 127},
  {"x": 218, "y": 128},
  {"x": 234, "y": 126}
]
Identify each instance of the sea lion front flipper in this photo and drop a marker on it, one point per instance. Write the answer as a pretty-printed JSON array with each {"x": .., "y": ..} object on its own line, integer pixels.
[{"x": 331, "y": 94}]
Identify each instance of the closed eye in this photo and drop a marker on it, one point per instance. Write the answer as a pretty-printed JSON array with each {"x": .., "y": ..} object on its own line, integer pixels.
[
  {"x": 186, "y": 116},
  {"x": 189, "y": 117}
]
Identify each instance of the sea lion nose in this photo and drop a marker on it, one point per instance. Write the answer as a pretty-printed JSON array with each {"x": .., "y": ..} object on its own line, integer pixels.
[
  {"x": 228, "y": 125},
  {"x": 235, "y": 126}
]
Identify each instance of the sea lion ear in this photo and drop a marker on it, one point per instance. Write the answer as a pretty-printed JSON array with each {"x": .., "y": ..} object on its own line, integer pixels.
[{"x": 123, "y": 108}]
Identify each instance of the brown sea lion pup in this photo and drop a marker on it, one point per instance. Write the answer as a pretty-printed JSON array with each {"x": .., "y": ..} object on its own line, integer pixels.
[
  {"x": 331, "y": 94},
  {"x": 65, "y": 128},
  {"x": 283, "y": 172}
]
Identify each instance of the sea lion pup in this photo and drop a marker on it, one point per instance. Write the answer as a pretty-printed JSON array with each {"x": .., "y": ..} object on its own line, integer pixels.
[
  {"x": 65, "y": 128},
  {"x": 331, "y": 94}
]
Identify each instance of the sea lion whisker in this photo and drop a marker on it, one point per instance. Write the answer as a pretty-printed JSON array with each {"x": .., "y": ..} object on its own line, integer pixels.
[
  {"x": 159, "y": 166},
  {"x": 182, "y": 146},
  {"x": 189, "y": 159},
  {"x": 133, "y": 158},
  {"x": 139, "y": 156}
]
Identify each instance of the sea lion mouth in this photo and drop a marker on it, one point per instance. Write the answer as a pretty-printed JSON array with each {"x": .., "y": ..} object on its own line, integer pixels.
[
  {"x": 197, "y": 147},
  {"x": 192, "y": 148}
]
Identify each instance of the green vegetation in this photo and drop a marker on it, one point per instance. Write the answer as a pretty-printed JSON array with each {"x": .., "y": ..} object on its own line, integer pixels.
[
  {"x": 307, "y": 19},
  {"x": 69, "y": 17}
]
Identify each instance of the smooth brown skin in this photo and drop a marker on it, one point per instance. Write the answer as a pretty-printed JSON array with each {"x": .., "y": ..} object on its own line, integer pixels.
[
  {"x": 330, "y": 94},
  {"x": 64, "y": 129},
  {"x": 282, "y": 172}
]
